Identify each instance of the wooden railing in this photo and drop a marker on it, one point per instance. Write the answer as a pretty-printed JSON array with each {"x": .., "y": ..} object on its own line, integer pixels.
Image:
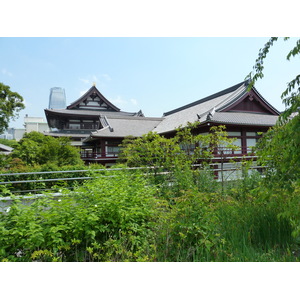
[
  {"x": 98, "y": 155},
  {"x": 220, "y": 152}
]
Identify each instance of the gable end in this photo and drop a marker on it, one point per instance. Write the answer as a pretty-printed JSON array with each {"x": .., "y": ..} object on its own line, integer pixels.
[
  {"x": 250, "y": 102},
  {"x": 93, "y": 100}
]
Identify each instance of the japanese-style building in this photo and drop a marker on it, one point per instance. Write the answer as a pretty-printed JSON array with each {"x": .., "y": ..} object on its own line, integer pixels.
[
  {"x": 98, "y": 126},
  {"x": 244, "y": 113}
]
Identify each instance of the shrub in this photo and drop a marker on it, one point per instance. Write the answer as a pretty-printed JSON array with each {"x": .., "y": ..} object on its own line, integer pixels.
[{"x": 111, "y": 218}]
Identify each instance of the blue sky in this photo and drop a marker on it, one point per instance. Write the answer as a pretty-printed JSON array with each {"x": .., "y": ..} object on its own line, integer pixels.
[{"x": 152, "y": 74}]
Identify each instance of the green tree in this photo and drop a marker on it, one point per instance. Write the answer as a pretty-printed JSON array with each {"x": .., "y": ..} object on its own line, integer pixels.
[
  {"x": 150, "y": 150},
  {"x": 279, "y": 149},
  {"x": 10, "y": 105},
  {"x": 37, "y": 149},
  {"x": 171, "y": 159},
  {"x": 291, "y": 95},
  {"x": 186, "y": 147}
]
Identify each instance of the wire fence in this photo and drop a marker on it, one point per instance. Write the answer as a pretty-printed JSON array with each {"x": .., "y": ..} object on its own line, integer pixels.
[{"x": 37, "y": 182}]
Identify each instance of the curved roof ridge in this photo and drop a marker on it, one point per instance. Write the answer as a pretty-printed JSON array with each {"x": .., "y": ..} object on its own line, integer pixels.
[
  {"x": 221, "y": 93},
  {"x": 232, "y": 98},
  {"x": 265, "y": 101}
]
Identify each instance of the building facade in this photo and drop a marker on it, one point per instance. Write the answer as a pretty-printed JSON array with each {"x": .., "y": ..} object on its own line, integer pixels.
[
  {"x": 30, "y": 124},
  {"x": 57, "y": 98}
]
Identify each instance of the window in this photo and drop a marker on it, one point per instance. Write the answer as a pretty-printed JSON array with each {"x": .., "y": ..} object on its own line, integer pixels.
[
  {"x": 238, "y": 143},
  {"x": 188, "y": 148},
  {"x": 251, "y": 133},
  {"x": 227, "y": 150},
  {"x": 112, "y": 148},
  {"x": 250, "y": 144},
  {"x": 234, "y": 133},
  {"x": 74, "y": 126}
]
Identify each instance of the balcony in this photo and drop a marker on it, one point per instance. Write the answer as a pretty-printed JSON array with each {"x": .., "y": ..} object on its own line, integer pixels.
[
  {"x": 220, "y": 153},
  {"x": 238, "y": 151},
  {"x": 97, "y": 156}
]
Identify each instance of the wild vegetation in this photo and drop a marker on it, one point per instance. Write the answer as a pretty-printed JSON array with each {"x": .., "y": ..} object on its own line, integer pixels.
[
  {"x": 126, "y": 217},
  {"x": 170, "y": 211}
]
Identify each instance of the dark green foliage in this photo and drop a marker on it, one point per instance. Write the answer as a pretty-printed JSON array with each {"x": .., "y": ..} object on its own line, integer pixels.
[
  {"x": 37, "y": 149},
  {"x": 279, "y": 150},
  {"x": 10, "y": 105},
  {"x": 10, "y": 143}
]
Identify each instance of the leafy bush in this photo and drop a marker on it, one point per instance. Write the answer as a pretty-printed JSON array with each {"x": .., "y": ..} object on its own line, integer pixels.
[
  {"x": 37, "y": 149},
  {"x": 108, "y": 219}
]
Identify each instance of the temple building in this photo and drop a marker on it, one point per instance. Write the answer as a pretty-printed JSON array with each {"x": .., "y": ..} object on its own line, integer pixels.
[
  {"x": 98, "y": 126},
  {"x": 245, "y": 113}
]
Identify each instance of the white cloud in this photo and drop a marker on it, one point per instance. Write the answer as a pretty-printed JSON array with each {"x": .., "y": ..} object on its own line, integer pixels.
[
  {"x": 94, "y": 79},
  {"x": 134, "y": 101},
  {"x": 86, "y": 81},
  {"x": 124, "y": 104},
  {"x": 119, "y": 101},
  {"x": 5, "y": 72}
]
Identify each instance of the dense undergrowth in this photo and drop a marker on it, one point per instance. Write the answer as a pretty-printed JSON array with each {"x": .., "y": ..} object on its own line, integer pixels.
[{"x": 128, "y": 216}]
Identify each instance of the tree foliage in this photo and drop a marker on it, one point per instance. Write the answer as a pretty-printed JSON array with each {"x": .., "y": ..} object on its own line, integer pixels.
[
  {"x": 10, "y": 105},
  {"x": 186, "y": 147},
  {"x": 279, "y": 149},
  {"x": 291, "y": 95},
  {"x": 37, "y": 149}
]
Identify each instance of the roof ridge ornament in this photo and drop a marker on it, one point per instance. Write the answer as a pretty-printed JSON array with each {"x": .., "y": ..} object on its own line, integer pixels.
[
  {"x": 211, "y": 114},
  {"x": 104, "y": 122}
]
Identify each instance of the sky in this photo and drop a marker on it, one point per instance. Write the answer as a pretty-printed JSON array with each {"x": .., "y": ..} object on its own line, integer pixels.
[{"x": 154, "y": 74}]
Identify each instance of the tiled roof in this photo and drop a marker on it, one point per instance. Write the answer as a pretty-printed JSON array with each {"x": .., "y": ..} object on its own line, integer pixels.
[
  {"x": 198, "y": 110},
  {"x": 6, "y": 148},
  {"x": 66, "y": 133},
  {"x": 216, "y": 95},
  {"x": 243, "y": 118},
  {"x": 212, "y": 109},
  {"x": 86, "y": 112},
  {"x": 121, "y": 127}
]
